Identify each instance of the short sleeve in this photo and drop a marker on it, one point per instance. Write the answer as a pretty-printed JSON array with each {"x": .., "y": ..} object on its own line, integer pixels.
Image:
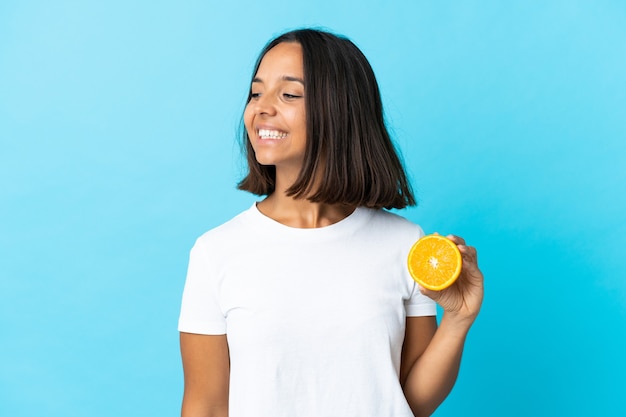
[
  {"x": 200, "y": 309},
  {"x": 419, "y": 305}
]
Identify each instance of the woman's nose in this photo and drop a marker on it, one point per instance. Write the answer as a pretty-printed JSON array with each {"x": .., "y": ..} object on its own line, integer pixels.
[{"x": 265, "y": 104}]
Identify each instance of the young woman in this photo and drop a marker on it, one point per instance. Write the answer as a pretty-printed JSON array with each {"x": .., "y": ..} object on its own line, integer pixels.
[{"x": 302, "y": 305}]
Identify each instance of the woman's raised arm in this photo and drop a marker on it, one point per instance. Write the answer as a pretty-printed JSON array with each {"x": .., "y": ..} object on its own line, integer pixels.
[{"x": 432, "y": 370}]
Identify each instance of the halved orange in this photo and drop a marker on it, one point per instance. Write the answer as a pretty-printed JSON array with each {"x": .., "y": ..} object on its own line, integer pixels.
[{"x": 434, "y": 262}]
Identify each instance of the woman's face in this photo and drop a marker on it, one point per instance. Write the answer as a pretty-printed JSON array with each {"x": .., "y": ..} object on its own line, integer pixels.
[{"x": 275, "y": 116}]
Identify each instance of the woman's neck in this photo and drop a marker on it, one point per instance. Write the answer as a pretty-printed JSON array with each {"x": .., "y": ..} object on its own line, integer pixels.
[{"x": 302, "y": 213}]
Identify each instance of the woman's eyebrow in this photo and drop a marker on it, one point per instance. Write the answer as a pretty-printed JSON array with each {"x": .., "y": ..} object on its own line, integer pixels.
[{"x": 283, "y": 78}]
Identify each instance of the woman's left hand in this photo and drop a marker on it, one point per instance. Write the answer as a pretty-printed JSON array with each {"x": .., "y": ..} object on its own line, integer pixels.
[{"x": 462, "y": 300}]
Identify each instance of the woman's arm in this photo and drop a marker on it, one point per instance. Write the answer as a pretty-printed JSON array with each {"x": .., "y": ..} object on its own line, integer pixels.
[
  {"x": 419, "y": 332},
  {"x": 206, "y": 367},
  {"x": 433, "y": 357}
]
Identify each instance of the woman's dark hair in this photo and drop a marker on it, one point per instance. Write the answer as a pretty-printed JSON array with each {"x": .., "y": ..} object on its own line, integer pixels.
[{"x": 346, "y": 135}]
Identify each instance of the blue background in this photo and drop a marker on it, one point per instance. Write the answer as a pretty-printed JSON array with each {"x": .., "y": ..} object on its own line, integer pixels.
[{"x": 118, "y": 148}]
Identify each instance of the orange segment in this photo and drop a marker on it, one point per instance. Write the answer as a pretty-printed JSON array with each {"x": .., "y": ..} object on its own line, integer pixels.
[{"x": 434, "y": 262}]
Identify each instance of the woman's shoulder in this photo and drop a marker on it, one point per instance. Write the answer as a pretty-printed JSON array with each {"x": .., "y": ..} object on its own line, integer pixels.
[
  {"x": 391, "y": 223},
  {"x": 229, "y": 230},
  {"x": 392, "y": 218}
]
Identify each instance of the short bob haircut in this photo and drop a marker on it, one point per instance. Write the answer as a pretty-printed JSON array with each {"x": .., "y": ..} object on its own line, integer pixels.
[{"x": 345, "y": 131}]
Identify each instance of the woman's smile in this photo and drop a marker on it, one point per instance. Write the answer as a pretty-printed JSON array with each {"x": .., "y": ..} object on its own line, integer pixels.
[{"x": 271, "y": 134}]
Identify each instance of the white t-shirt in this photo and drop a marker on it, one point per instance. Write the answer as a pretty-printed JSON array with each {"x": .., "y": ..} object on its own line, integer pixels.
[{"x": 314, "y": 318}]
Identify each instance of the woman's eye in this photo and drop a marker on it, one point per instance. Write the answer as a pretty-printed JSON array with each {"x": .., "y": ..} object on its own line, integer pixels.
[
  {"x": 255, "y": 95},
  {"x": 290, "y": 96}
]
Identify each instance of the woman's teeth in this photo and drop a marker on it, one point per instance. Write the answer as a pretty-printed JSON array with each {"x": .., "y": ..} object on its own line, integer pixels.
[{"x": 271, "y": 134}]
